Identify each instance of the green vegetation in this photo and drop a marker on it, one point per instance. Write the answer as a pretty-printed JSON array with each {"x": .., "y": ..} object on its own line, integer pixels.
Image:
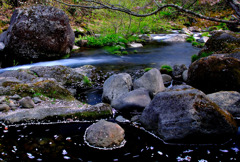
[
  {"x": 198, "y": 44},
  {"x": 147, "y": 69},
  {"x": 196, "y": 57},
  {"x": 190, "y": 39},
  {"x": 222, "y": 26},
  {"x": 206, "y": 34},
  {"x": 167, "y": 68},
  {"x": 86, "y": 81}
]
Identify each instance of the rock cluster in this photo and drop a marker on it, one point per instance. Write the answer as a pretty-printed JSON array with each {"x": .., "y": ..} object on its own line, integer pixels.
[{"x": 117, "y": 90}]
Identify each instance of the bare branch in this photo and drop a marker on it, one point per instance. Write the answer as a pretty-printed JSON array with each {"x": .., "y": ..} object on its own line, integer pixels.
[
  {"x": 101, "y": 5},
  {"x": 235, "y": 5}
]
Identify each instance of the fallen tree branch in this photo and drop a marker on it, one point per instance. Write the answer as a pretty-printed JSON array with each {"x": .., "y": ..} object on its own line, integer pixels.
[{"x": 101, "y": 5}]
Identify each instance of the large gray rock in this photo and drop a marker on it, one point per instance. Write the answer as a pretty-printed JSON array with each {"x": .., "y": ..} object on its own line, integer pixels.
[
  {"x": 186, "y": 113},
  {"x": 166, "y": 78},
  {"x": 151, "y": 81},
  {"x": 105, "y": 134},
  {"x": 227, "y": 100},
  {"x": 65, "y": 75},
  {"x": 7, "y": 81},
  {"x": 59, "y": 109},
  {"x": 135, "y": 100},
  {"x": 115, "y": 86},
  {"x": 37, "y": 33},
  {"x": 18, "y": 76}
]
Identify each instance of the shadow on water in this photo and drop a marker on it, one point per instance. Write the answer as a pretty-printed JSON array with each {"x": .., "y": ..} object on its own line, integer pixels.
[{"x": 64, "y": 141}]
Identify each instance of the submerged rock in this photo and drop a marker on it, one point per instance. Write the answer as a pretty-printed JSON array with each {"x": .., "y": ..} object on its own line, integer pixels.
[
  {"x": 35, "y": 34},
  {"x": 151, "y": 81},
  {"x": 215, "y": 73},
  {"x": 105, "y": 134},
  {"x": 115, "y": 86},
  {"x": 186, "y": 114},
  {"x": 227, "y": 100}
]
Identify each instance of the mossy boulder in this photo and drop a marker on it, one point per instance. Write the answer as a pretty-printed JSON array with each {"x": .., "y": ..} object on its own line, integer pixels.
[
  {"x": 215, "y": 73},
  {"x": 65, "y": 75},
  {"x": 37, "y": 33},
  {"x": 184, "y": 114},
  {"x": 46, "y": 88},
  {"x": 222, "y": 43}
]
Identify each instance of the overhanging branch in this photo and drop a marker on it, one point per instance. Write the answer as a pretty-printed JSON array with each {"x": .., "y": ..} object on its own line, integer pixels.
[{"x": 101, "y": 5}]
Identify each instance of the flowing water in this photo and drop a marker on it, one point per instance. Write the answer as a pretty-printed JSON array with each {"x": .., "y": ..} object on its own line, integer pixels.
[
  {"x": 64, "y": 140},
  {"x": 148, "y": 56}
]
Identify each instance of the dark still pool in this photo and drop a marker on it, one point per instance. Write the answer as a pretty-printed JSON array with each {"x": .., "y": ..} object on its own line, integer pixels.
[{"x": 64, "y": 141}]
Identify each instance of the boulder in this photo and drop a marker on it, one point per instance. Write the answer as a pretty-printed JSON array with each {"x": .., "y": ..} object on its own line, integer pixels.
[
  {"x": 178, "y": 70},
  {"x": 27, "y": 102},
  {"x": 8, "y": 81},
  {"x": 227, "y": 100},
  {"x": 4, "y": 107},
  {"x": 35, "y": 34},
  {"x": 105, "y": 134},
  {"x": 135, "y": 100},
  {"x": 47, "y": 88},
  {"x": 222, "y": 42},
  {"x": 65, "y": 75},
  {"x": 185, "y": 114},
  {"x": 185, "y": 75},
  {"x": 102, "y": 110},
  {"x": 116, "y": 86},
  {"x": 151, "y": 81},
  {"x": 166, "y": 78},
  {"x": 215, "y": 73},
  {"x": 58, "y": 110},
  {"x": 21, "y": 75}
]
